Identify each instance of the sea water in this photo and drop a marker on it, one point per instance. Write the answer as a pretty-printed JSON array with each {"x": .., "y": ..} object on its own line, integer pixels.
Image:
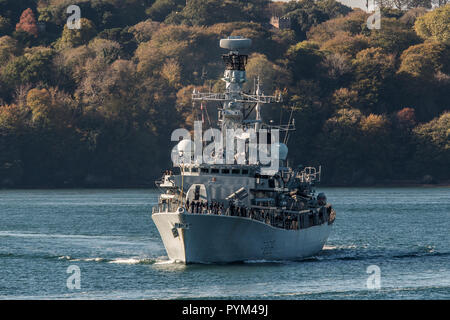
[{"x": 386, "y": 243}]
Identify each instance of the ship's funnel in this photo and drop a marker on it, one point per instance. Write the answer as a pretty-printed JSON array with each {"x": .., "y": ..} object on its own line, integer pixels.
[{"x": 235, "y": 43}]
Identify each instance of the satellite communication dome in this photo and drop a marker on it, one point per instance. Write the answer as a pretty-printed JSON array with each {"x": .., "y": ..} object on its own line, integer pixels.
[
  {"x": 282, "y": 150},
  {"x": 235, "y": 43},
  {"x": 185, "y": 148}
]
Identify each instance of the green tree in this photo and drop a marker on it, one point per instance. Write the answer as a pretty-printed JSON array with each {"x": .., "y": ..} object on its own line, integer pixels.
[
  {"x": 8, "y": 49},
  {"x": 433, "y": 147},
  {"x": 423, "y": 79},
  {"x": 394, "y": 36},
  {"x": 425, "y": 60},
  {"x": 77, "y": 37},
  {"x": 13, "y": 118},
  {"x": 160, "y": 9},
  {"x": 34, "y": 66},
  {"x": 50, "y": 107},
  {"x": 144, "y": 30},
  {"x": 353, "y": 23},
  {"x": 345, "y": 43},
  {"x": 39, "y": 102},
  {"x": 304, "y": 59},
  {"x": 340, "y": 137},
  {"x": 5, "y": 25},
  {"x": 376, "y": 147},
  {"x": 304, "y": 14},
  {"x": 333, "y": 9},
  {"x": 435, "y": 25},
  {"x": 209, "y": 12},
  {"x": 192, "y": 47},
  {"x": 410, "y": 17},
  {"x": 373, "y": 72},
  {"x": 271, "y": 76}
]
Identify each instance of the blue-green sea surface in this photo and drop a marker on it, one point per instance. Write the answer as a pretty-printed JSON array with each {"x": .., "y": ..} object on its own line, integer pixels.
[{"x": 108, "y": 235}]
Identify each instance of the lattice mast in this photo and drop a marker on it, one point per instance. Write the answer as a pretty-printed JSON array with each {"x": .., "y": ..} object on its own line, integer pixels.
[{"x": 236, "y": 105}]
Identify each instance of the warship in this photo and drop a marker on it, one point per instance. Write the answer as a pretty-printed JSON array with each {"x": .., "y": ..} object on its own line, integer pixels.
[{"x": 241, "y": 209}]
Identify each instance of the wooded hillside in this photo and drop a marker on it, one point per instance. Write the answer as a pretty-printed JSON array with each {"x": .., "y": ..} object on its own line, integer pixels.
[{"x": 96, "y": 106}]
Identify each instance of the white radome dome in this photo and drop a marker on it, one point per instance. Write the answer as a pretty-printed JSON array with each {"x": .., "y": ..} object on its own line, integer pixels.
[
  {"x": 182, "y": 152},
  {"x": 185, "y": 147},
  {"x": 282, "y": 151}
]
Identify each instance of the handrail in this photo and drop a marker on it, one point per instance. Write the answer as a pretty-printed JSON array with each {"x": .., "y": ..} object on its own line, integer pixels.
[{"x": 283, "y": 219}]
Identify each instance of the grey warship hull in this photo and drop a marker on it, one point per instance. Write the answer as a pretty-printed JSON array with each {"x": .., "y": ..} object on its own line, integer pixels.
[{"x": 207, "y": 238}]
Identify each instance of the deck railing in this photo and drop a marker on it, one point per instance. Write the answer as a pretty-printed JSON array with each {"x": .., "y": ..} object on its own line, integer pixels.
[{"x": 283, "y": 219}]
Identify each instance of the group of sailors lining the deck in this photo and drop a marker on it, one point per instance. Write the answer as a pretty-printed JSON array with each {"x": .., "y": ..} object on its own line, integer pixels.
[
  {"x": 213, "y": 207},
  {"x": 286, "y": 221}
]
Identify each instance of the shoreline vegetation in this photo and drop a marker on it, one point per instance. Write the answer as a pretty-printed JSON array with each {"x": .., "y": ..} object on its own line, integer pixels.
[{"x": 96, "y": 106}]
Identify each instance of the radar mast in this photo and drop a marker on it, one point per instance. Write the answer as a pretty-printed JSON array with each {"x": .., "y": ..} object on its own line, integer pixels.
[{"x": 236, "y": 105}]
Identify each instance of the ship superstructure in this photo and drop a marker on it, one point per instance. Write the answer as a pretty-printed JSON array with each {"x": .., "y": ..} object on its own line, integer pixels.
[{"x": 222, "y": 208}]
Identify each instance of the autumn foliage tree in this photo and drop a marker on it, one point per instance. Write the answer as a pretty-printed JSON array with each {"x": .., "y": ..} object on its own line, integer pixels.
[
  {"x": 89, "y": 106},
  {"x": 435, "y": 25},
  {"x": 28, "y": 23}
]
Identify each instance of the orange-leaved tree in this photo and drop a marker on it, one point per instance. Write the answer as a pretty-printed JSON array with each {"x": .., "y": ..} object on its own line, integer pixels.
[{"x": 28, "y": 23}]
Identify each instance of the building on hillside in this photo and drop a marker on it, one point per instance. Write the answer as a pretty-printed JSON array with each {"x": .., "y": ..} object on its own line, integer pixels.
[{"x": 280, "y": 22}]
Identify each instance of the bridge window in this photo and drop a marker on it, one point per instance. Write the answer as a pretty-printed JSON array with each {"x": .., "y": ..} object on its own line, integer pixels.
[
  {"x": 244, "y": 171},
  {"x": 235, "y": 171},
  {"x": 214, "y": 170},
  {"x": 194, "y": 170},
  {"x": 204, "y": 170},
  {"x": 225, "y": 171}
]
